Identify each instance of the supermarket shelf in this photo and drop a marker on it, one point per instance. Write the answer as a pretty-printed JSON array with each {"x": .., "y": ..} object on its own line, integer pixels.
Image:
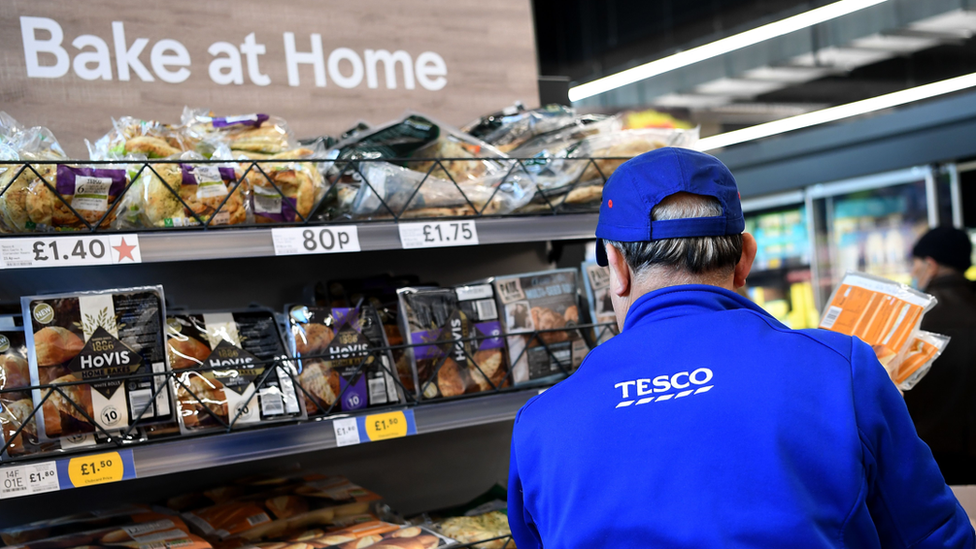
[
  {"x": 239, "y": 243},
  {"x": 225, "y": 449}
]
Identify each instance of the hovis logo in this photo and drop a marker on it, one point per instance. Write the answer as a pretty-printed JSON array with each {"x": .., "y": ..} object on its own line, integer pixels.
[{"x": 687, "y": 383}]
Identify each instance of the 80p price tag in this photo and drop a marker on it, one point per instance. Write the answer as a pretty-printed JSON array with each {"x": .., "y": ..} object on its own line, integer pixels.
[
  {"x": 438, "y": 234},
  {"x": 315, "y": 240}
]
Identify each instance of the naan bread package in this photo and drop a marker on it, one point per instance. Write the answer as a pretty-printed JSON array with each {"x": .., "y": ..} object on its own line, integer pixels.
[
  {"x": 91, "y": 344},
  {"x": 231, "y": 369},
  {"x": 446, "y": 317},
  {"x": 886, "y": 315},
  {"x": 340, "y": 369},
  {"x": 539, "y": 311},
  {"x": 190, "y": 194}
]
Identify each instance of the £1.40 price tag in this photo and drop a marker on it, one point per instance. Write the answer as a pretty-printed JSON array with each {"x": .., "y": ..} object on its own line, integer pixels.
[
  {"x": 315, "y": 240},
  {"x": 100, "y": 468},
  {"x": 438, "y": 234},
  {"x": 69, "y": 251}
]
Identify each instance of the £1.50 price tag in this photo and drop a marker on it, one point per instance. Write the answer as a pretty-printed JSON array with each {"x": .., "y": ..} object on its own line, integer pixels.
[
  {"x": 438, "y": 234},
  {"x": 99, "y": 468},
  {"x": 315, "y": 240},
  {"x": 69, "y": 251}
]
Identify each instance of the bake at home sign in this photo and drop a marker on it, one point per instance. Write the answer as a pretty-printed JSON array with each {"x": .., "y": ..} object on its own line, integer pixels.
[{"x": 90, "y": 57}]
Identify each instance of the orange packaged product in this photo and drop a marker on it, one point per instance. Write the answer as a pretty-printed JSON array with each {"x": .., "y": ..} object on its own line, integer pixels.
[{"x": 146, "y": 531}]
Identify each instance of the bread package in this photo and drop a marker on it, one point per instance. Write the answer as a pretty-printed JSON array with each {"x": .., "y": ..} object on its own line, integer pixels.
[
  {"x": 190, "y": 194},
  {"x": 596, "y": 281},
  {"x": 144, "y": 531},
  {"x": 339, "y": 368},
  {"x": 136, "y": 138},
  {"x": 477, "y": 528},
  {"x": 80, "y": 522},
  {"x": 512, "y": 127},
  {"x": 281, "y": 191},
  {"x": 17, "y": 433},
  {"x": 258, "y": 132},
  {"x": 90, "y": 192},
  {"x": 466, "y": 354},
  {"x": 90, "y": 344},
  {"x": 539, "y": 311},
  {"x": 230, "y": 369}
]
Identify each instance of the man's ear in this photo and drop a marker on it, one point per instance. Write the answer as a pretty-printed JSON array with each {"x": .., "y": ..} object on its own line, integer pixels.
[
  {"x": 620, "y": 276},
  {"x": 742, "y": 268}
]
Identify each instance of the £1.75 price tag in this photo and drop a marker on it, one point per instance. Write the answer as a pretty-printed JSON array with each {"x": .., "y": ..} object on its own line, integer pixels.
[
  {"x": 69, "y": 251},
  {"x": 315, "y": 240},
  {"x": 438, "y": 234}
]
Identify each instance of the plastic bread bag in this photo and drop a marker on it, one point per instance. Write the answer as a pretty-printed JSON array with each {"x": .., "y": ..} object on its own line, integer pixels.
[
  {"x": 915, "y": 361},
  {"x": 511, "y": 127},
  {"x": 17, "y": 432},
  {"x": 33, "y": 144},
  {"x": 80, "y": 522},
  {"x": 145, "y": 531},
  {"x": 256, "y": 133},
  {"x": 75, "y": 198},
  {"x": 133, "y": 137},
  {"x": 230, "y": 370},
  {"x": 189, "y": 194},
  {"x": 539, "y": 311},
  {"x": 555, "y": 142},
  {"x": 339, "y": 370},
  {"x": 282, "y": 188},
  {"x": 393, "y": 190},
  {"x": 287, "y": 508},
  {"x": 96, "y": 338},
  {"x": 446, "y": 317}
]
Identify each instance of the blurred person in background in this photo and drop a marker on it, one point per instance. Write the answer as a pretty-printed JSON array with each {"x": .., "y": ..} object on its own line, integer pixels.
[{"x": 943, "y": 404}]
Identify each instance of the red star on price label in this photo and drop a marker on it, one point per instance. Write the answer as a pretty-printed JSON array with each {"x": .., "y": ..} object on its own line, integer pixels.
[{"x": 125, "y": 250}]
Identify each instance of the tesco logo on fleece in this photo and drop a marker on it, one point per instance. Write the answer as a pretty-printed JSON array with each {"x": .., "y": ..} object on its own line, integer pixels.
[{"x": 647, "y": 387}]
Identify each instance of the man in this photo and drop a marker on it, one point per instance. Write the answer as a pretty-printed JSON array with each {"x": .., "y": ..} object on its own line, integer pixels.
[
  {"x": 943, "y": 404},
  {"x": 707, "y": 423}
]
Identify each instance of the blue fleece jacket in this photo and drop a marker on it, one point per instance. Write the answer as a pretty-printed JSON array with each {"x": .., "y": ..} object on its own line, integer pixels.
[{"x": 707, "y": 423}]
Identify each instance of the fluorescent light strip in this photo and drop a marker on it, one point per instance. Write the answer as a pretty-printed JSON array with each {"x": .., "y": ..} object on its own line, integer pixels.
[
  {"x": 838, "y": 113},
  {"x": 719, "y": 47}
]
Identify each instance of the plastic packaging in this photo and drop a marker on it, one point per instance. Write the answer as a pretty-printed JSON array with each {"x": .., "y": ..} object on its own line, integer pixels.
[
  {"x": 256, "y": 133},
  {"x": 230, "y": 370},
  {"x": 886, "y": 315},
  {"x": 145, "y": 531},
  {"x": 32, "y": 144},
  {"x": 531, "y": 305},
  {"x": 281, "y": 191},
  {"x": 81, "y": 522},
  {"x": 338, "y": 369},
  {"x": 16, "y": 406},
  {"x": 132, "y": 138},
  {"x": 176, "y": 195},
  {"x": 101, "y": 338},
  {"x": 90, "y": 192},
  {"x": 596, "y": 281},
  {"x": 414, "y": 194},
  {"x": 445, "y": 317},
  {"x": 511, "y": 127}
]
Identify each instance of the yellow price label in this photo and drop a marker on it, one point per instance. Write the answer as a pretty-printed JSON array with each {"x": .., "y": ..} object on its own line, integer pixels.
[
  {"x": 384, "y": 426},
  {"x": 96, "y": 469}
]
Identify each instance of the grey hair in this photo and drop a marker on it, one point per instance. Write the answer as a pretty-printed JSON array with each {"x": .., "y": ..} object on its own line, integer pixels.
[{"x": 680, "y": 257}]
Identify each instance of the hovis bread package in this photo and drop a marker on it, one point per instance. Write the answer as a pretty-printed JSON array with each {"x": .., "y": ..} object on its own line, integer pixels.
[
  {"x": 446, "y": 317},
  {"x": 543, "y": 302},
  {"x": 105, "y": 339},
  {"x": 886, "y": 315},
  {"x": 15, "y": 400},
  {"x": 338, "y": 369},
  {"x": 596, "y": 280},
  {"x": 230, "y": 369}
]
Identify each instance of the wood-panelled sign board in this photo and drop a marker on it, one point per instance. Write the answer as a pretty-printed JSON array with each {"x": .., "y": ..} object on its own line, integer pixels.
[{"x": 321, "y": 65}]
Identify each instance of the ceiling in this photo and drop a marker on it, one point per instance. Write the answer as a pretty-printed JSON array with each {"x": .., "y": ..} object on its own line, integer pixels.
[{"x": 895, "y": 45}]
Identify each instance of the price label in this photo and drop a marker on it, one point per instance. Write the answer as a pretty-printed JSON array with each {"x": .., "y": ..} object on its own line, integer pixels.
[
  {"x": 96, "y": 469},
  {"x": 438, "y": 234},
  {"x": 69, "y": 251},
  {"x": 346, "y": 431},
  {"x": 26, "y": 480},
  {"x": 315, "y": 240},
  {"x": 384, "y": 426}
]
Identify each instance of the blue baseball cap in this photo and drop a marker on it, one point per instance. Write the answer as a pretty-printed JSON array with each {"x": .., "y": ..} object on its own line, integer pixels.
[{"x": 642, "y": 182}]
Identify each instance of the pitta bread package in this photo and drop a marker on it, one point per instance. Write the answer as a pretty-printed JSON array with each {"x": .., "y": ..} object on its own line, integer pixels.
[
  {"x": 339, "y": 371},
  {"x": 91, "y": 344},
  {"x": 447, "y": 317},
  {"x": 596, "y": 281},
  {"x": 539, "y": 311},
  {"x": 231, "y": 369},
  {"x": 886, "y": 315}
]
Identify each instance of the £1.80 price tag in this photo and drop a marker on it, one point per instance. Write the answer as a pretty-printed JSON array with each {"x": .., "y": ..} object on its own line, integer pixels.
[
  {"x": 438, "y": 234},
  {"x": 69, "y": 251},
  {"x": 346, "y": 431},
  {"x": 26, "y": 480},
  {"x": 315, "y": 240}
]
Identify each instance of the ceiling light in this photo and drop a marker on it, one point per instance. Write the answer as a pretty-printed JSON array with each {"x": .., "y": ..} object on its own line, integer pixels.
[
  {"x": 839, "y": 112},
  {"x": 719, "y": 47}
]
